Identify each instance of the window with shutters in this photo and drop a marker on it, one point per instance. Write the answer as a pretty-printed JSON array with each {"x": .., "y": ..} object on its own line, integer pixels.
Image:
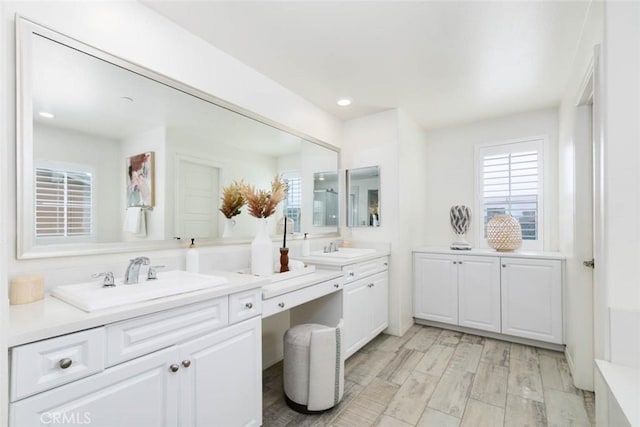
[
  {"x": 293, "y": 202},
  {"x": 510, "y": 181},
  {"x": 63, "y": 204}
]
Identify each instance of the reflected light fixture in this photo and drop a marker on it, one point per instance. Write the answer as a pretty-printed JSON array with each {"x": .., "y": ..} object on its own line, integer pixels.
[
  {"x": 343, "y": 102},
  {"x": 46, "y": 115}
]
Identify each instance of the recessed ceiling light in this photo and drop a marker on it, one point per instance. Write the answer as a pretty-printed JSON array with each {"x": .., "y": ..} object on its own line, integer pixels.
[
  {"x": 343, "y": 102},
  {"x": 46, "y": 115}
]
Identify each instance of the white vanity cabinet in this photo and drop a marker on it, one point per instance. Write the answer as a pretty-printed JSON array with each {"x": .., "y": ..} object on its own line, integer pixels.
[
  {"x": 187, "y": 376},
  {"x": 365, "y": 302},
  {"x": 532, "y": 298},
  {"x": 458, "y": 290},
  {"x": 518, "y": 296}
]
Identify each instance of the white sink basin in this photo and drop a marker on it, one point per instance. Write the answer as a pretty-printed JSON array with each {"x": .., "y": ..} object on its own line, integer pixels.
[
  {"x": 93, "y": 296},
  {"x": 344, "y": 253}
]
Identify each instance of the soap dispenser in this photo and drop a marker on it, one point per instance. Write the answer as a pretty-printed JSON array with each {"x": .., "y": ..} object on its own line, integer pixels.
[
  {"x": 306, "y": 246},
  {"x": 193, "y": 258}
]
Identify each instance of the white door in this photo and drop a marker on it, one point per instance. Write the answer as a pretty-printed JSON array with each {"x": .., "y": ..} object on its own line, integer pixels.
[
  {"x": 379, "y": 303},
  {"x": 436, "y": 287},
  {"x": 479, "y": 292},
  {"x": 357, "y": 315},
  {"x": 197, "y": 197},
  {"x": 139, "y": 393},
  {"x": 532, "y": 298},
  {"x": 221, "y": 377}
]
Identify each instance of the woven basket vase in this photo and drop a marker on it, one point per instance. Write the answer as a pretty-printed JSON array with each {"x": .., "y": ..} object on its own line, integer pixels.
[{"x": 504, "y": 233}]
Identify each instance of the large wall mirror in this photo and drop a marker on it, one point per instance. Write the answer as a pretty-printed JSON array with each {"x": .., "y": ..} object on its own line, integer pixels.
[
  {"x": 363, "y": 197},
  {"x": 113, "y": 157}
]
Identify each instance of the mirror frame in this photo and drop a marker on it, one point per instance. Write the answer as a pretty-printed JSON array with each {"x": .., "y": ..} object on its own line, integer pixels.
[
  {"x": 348, "y": 188},
  {"x": 25, "y": 243}
]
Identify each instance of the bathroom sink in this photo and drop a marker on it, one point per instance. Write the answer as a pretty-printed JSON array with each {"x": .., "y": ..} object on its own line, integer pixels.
[
  {"x": 344, "y": 253},
  {"x": 91, "y": 296}
]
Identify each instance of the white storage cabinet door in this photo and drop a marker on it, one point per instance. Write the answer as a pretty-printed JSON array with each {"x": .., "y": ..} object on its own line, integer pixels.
[
  {"x": 436, "y": 288},
  {"x": 479, "y": 292}
]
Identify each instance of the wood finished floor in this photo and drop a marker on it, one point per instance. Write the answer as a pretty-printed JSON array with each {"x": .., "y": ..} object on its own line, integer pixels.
[{"x": 435, "y": 377}]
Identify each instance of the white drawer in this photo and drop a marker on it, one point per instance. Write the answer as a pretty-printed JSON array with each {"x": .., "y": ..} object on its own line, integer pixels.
[
  {"x": 366, "y": 268},
  {"x": 244, "y": 305},
  {"x": 142, "y": 335},
  {"x": 292, "y": 299},
  {"x": 49, "y": 363}
]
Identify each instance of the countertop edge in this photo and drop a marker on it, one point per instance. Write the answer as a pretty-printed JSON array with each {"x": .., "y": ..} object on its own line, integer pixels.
[
  {"x": 490, "y": 252},
  {"x": 320, "y": 261}
]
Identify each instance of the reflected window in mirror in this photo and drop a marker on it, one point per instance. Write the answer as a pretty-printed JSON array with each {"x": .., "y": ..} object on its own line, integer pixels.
[
  {"x": 363, "y": 197},
  {"x": 99, "y": 110},
  {"x": 325, "y": 199}
]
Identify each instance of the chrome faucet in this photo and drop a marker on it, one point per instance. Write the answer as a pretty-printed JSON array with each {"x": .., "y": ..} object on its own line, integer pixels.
[{"x": 131, "y": 276}]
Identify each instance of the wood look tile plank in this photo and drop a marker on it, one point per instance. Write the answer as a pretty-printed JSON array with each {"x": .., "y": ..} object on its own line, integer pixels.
[
  {"x": 466, "y": 357},
  {"x": 480, "y": 414},
  {"x": 590, "y": 405},
  {"x": 411, "y": 399},
  {"x": 524, "y": 412},
  {"x": 565, "y": 409},
  {"x": 524, "y": 379},
  {"x": 387, "y": 421},
  {"x": 450, "y": 338},
  {"x": 351, "y": 391},
  {"x": 433, "y": 418},
  {"x": 490, "y": 384},
  {"x": 473, "y": 339},
  {"x": 452, "y": 392},
  {"x": 400, "y": 367},
  {"x": 423, "y": 339},
  {"x": 435, "y": 360},
  {"x": 523, "y": 352},
  {"x": 556, "y": 375},
  {"x": 369, "y": 367},
  {"x": 495, "y": 352}
]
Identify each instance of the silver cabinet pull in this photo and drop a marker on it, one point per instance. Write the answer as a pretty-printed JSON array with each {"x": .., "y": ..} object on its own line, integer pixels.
[
  {"x": 386, "y": 264},
  {"x": 174, "y": 367},
  {"x": 186, "y": 363},
  {"x": 455, "y": 262},
  {"x": 249, "y": 305},
  {"x": 281, "y": 304},
  {"x": 336, "y": 285},
  {"x": 351, "y": 274},
  {"x": 65, "y": 363},
  {"x": 459, "y": 262},
  {"x": 504, "y": 265},
  {"x": 591, "y": 263}
]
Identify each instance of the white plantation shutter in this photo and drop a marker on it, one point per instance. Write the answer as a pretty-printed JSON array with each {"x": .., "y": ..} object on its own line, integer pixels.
[
  {"x": 63, "y": 205},
  {"x": 293, "y": 202},
  {"x": 510, "y": 182}
]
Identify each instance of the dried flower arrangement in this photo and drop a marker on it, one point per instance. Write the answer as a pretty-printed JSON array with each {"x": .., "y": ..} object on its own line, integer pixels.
[
  {"x": 232, "y": 199},
  {"x": 262, "y": 203}
]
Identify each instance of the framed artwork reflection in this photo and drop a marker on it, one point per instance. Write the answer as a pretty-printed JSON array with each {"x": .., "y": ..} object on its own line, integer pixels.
[{"x": 140, "y": 180}]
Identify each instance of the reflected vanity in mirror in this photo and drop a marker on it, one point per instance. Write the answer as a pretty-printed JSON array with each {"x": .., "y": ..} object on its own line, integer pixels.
[
  {"x": 363, "y": 197},
  {"x": 114, "y": 157}
]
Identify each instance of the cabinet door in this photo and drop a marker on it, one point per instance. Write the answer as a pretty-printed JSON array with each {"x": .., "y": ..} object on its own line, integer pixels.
[
  {"x": 142, "y": 392},
  {"x": 379, "y": 294},
  {"x": 357, "y": 315},
  {"x": 532, "y": 299},
  {"x": 479, "y": 292},
  {"x": 221, "y": 377},
  {"x": 436, "y": 287}
]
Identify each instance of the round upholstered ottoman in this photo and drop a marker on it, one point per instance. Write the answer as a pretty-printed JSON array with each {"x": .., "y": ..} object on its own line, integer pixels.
[{"x": 313, "y": 367}]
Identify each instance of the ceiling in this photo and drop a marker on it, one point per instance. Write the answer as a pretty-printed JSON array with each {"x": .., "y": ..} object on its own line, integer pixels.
[{"x": 442, "y": 62}]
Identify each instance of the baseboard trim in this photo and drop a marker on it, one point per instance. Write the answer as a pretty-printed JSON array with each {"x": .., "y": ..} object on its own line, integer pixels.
[{"x": 517, "y": 340}]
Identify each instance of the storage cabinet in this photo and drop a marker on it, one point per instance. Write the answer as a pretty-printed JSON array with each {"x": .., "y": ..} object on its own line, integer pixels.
[
  {"x": 459, "y": 290},
  {"x": 365, "y": 310},
  {"x": 532, "y": 299},
  {"x": 516, "y": 296},
  {"x": 214, "y": 378}
]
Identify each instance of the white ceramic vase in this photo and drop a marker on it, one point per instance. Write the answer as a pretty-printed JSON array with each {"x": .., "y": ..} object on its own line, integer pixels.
[
  {"x": 228, "y": 228},
  {"x": 262, "y": 251}
]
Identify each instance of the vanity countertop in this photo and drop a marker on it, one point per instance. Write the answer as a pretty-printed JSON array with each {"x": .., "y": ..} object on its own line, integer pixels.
[
  {"x": 52, "y": 317},
  {"x": 341, "y": 262},
  {"x": 490, "y": 252}
]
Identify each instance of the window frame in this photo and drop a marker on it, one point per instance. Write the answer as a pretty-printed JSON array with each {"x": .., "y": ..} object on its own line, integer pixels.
[
  {"x": 67, "y": 168},
  {"x": 540, "y": 143}
]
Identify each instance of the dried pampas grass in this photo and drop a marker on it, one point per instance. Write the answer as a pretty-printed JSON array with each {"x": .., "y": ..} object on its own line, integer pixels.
[
  {"x": 262, "y": 203},
  {"x": 232, "y": 199}
]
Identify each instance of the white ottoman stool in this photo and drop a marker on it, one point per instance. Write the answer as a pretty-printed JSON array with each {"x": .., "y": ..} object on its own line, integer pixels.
[{"x": 313, "y": 367}]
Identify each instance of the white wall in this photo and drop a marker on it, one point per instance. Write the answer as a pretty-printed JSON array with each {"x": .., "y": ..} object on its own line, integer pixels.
[
  {"x": 575, "y": 205},
  {"x": 393, "y": 141},
  {"x": 621, "y": 53},
  {"x": 103, "y": 155},
  {"x": 450, "y": 176}
]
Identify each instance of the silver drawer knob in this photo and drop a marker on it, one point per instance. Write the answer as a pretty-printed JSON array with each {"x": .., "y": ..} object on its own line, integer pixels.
[
  {"x": 186, "y": 363},
  {"x": 351, "y": 274},
  {"x": 281, "y": 304},
  {"x": 336, "y": 285},
  {"x": 174, "y": 367},
  {"x": 504, "y": 265},
  {"x": 65, "y": 363},
  {"x": 248, "y": 305}
]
